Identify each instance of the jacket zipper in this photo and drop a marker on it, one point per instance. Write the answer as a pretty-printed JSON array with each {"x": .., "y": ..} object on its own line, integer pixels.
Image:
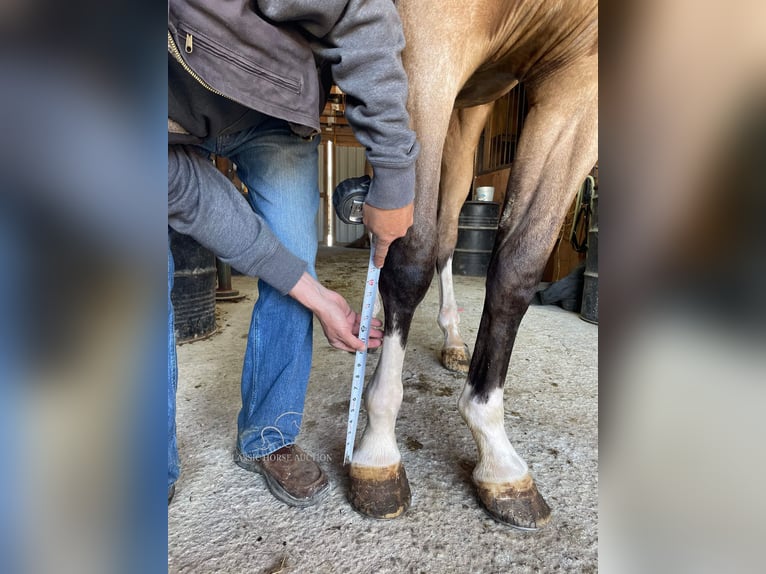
[
  {"x": 194, "y": 39},
  {"x": 189, "y": 47},
  {"x": 173, "y": 49}
]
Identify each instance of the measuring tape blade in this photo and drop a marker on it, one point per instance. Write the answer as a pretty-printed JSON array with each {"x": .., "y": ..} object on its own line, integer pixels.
[{"x": 360, "y": 361}]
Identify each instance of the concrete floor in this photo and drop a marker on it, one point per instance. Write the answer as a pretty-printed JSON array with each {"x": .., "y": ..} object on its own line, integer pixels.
[{"x": 223, "y": 519}]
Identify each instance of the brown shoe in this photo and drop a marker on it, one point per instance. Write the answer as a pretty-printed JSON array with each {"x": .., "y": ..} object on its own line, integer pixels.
[{"x": 291, "y": 474}]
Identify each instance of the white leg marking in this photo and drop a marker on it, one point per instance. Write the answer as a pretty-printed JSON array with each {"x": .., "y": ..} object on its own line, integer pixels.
[
  {"x": 448, "y": 315},
  {"x": 378, "y": 307},
  {"x": 382, "y": 400},
  {"x": 498, "y": 461}
]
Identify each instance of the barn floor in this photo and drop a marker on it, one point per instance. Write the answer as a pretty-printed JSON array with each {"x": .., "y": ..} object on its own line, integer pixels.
[{"x": 223, "y": 519}]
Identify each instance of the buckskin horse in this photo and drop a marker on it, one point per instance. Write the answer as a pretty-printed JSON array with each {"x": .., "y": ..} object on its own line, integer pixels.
[{"x": 461, "y": 56}]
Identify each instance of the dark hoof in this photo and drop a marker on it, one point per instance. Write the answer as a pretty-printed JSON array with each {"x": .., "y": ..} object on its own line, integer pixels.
[
  {"x": 517, "y": 504},
  {"x": 456, "y": 360},
  {"x": 379, "y": 492}
]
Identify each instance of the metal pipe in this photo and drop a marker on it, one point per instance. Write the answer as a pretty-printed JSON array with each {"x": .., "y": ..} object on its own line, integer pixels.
[
  {"x": 329, "y": 158},
  {"x": 224, "y": 276}
]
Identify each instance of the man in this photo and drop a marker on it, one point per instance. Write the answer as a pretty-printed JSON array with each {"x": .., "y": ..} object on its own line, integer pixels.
[
  {"x": 244, "y": 83},
  {"x": 198, "y": 195}
]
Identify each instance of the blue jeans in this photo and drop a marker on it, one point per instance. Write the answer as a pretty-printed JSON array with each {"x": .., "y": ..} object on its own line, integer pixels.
[
  {"x": 173, "y": 463},
  {"x": 281, "y": 175}
]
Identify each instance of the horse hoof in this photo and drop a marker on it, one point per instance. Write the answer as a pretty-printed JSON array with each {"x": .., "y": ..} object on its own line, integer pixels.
[
  {"x": 517, "y": 504},
  {"x": 456, "y": 360},
  {"x": 379, "y": 492}
]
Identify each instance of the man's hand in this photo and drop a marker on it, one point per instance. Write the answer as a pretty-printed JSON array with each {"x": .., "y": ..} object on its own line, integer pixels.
[
  {"x": 339, "y": 322},
  {"x": 387, "y": 225}
]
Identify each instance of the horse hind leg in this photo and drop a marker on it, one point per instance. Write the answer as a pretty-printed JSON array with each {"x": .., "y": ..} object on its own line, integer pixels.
[
  {"x": 456, "y": 175},
  {"x": 556, "y": 150}
]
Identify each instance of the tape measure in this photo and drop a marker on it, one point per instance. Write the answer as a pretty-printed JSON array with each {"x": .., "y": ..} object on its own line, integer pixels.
[{"x": 360, "y": 361}]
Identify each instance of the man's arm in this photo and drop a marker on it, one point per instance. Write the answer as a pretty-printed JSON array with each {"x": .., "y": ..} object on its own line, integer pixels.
[
  {"x": 339, "y": 323},
  {"x": 362, "y": 42},
  {"x": 203, "y": 204}
]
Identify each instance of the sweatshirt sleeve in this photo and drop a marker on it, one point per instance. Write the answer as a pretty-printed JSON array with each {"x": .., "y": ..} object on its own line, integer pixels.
[
  {"x": 203, "y": 204},
  {"x": 362, "y": 41}
]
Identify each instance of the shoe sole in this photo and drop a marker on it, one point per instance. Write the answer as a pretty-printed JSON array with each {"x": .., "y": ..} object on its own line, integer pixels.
[{"x": 277, "y": 489}]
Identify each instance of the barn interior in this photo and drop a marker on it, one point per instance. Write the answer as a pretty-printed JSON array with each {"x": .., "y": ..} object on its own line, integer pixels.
[{"x": 224, "y": 519}]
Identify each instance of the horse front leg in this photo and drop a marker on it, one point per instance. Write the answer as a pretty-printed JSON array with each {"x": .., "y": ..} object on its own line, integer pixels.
[
  {"x": 379, "y": 485},
  {"x": 456, "y": 175},
  {"x": 557, "y": 148}
]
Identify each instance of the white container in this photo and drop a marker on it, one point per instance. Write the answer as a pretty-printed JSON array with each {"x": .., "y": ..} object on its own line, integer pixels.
[{"x": 485, "y": 193}]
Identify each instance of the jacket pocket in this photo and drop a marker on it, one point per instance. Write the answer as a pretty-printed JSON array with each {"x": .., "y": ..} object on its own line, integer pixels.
[{"x": 192, "y": 39}]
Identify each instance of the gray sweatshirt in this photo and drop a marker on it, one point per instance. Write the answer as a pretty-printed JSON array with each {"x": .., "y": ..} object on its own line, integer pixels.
[{"x": 199, "y": 195}]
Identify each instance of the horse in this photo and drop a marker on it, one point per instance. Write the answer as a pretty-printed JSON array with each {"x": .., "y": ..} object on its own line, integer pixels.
[{"x": 459, "y": 57}]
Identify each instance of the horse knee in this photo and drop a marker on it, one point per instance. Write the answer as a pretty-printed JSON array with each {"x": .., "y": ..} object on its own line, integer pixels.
[{"x": 404, "y": 282}]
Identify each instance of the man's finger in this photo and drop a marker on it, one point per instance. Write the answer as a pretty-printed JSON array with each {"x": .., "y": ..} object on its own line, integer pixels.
[
  {"x": 358, "y": 345},
  {"x": 381, "y": 250},
  {"x": 352, "y": 345}
]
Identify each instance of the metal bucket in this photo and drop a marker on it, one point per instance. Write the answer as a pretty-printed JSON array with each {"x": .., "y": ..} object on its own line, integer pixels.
[
  {"x": 589, "y": 308},
  {"x": 477, "y": 226},
  {"x": 193, "y": 294}
]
